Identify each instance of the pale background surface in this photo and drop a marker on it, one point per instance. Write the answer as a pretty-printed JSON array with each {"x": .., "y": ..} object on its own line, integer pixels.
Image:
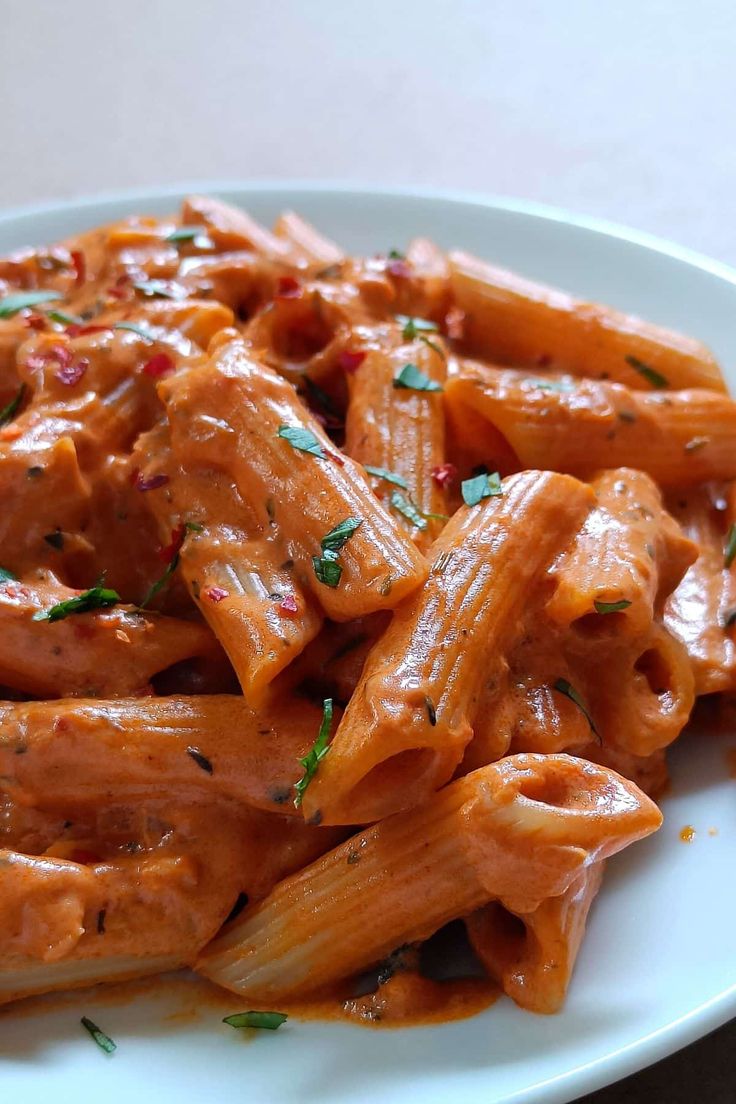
[{"x": 625, "y": 110}]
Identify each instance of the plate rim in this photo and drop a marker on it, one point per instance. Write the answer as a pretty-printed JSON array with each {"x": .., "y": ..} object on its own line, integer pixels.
[{"x": 708, "y": 1016}]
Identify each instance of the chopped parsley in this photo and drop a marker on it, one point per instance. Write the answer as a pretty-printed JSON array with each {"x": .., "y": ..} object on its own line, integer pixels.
[
  {"x": 177, "y": 543},
  {"x": 64, "y": 319},
  {"x": 316, "y": 754},
  {"x": 729, "y": 553},
  {"x": 155, "y": 289},
  {"x": 131, "y": 327},
  {"x": 200, "y": 759},
  {"x": 406, "y": 507},
  {"x": 411, "y": 378},
  {"x": 97, "y": 597},
  {"x": 8, "y": 412},
  {"x": 301, "y": 439},
  {"x": 21, "y": 300},
  {"x": 326, "y": 567},
  {"x": 396, "y": 255},
  {"x": 651, "y": 375},
  {"x": 564, "y": 687},
  {"x": 611, "y": 607},
  {"x": 481, "y": 486},
  {"x": 266, "y": 1021},
  {"x": 413, "y": 327},
  {"x": 103, "y": 1041},
  {"x": 195, "y": 234},
  {"x": 389, "y": 476}
]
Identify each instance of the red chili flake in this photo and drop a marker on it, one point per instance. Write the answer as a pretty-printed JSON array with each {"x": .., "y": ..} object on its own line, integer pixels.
[
  {"x": 444, "y": 474},
  {"x": 350, "y": 360},
  {"x": 35, "y": 321},
  {"x": 337, "y": 458},
  {"x": 82, "y": 856},
  {"x": 80, "y": 266},
  {"x": 288, "y": 288},
  {"x": 544, "y": 360},
  {"x": 455, "y": 323},
  {"x": 159, "y": 365},
  {"x": 215, "y": 593},
  {"x": 79, "y": 331},
  {"x": 150, "y": 482},
  {"x": 289, "y": 605},
  {"x": 400, "y": 269},
  {"x": 72, "y": 373},
  {"x": 59, "y": 354},
  {"x": 177, "y": 539}
]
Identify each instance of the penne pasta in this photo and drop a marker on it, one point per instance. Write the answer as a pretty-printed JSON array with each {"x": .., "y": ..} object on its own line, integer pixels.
[
  {"x": 400, "y": 434},
  {"x": 516, "y": 321},
  {"x": 680, "y": 438},
  {"x": 406, "y": 726},
  {"x": 517, "y": 832},
  {"x": 532, "y": 954},
  {"x": 627, "y": 559}
]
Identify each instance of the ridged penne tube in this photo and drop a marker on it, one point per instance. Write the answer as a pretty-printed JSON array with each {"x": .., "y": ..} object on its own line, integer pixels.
[
  {"x": 700, "y": 613},
  {"x": 519, "y": 831},
  {"x": 513, "y": 320},
  {"x": 626, "y": 560},
  {"x": 642, "y": 696},
  {"x": 235, "y": 567},
  {"x": 105, "y": 653},
  {"x": 307, "y": 246},
  {"x": 230, "y": 227},
  {"x": 227, "y": 416},
  {"x": 402, "y": 432},
  {"x": 680, "y": 438},
  {"x": 532, "y": 955},
  {"x": 406, "y": 726},
  {"x": 209, "y": 746}
]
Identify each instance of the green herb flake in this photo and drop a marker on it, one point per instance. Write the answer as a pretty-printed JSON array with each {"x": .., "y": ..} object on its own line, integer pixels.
[
  {"x": 7, "y": 576},
  {"x": 396, "y": 255},
  {"x": 611, "y": 607},
  {"x": 141, "y": 331},
  {"x": 21, "y": 300},
  {"x": 301, "y": 439},
  {"x": 411, "y": 378},
  {"x": 389, "y": 476},
  {"x": 651, "y": 375},
  {"x": 189, "y": 527},
  {"x": 729, "y": 553},
  {"x": 64, "y": 319},
  {"x": 411, "y": 328},
  {"x": 155, "y": 289},
  {"x": 97, "y": 597},
  {"x": 566, "y": 688},
  {"x": 55, "y": 539},
  {"x": 338, "y": 537},
  {"x": 481, "y": 486},
  {"x": 8, "y": 412},
  {"x": 404, "y": 506},
  {"x": 200, "y": 759},
  {"x": 431, "y": 711},
  {"x": 195, "y": 234},
  {"x": 327, "y": 569},
  {"x": 265, "y": 1021},
  {"x": 314, "y": 757},
  {"x": 103, "y": 1041}
]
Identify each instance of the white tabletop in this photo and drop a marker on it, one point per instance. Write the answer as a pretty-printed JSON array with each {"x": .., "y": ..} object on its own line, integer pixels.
[{"x": 624, "y": 110}]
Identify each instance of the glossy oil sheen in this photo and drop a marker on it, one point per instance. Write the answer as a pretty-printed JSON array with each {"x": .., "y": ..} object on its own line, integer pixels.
[{"x": 658, "y": 966}]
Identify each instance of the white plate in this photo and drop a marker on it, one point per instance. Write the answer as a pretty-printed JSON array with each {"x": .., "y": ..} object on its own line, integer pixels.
[{"x": 658, "y": 967}]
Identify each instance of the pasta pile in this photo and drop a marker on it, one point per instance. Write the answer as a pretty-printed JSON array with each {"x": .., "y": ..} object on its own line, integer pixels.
[{"x": 341, "y": 599}]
